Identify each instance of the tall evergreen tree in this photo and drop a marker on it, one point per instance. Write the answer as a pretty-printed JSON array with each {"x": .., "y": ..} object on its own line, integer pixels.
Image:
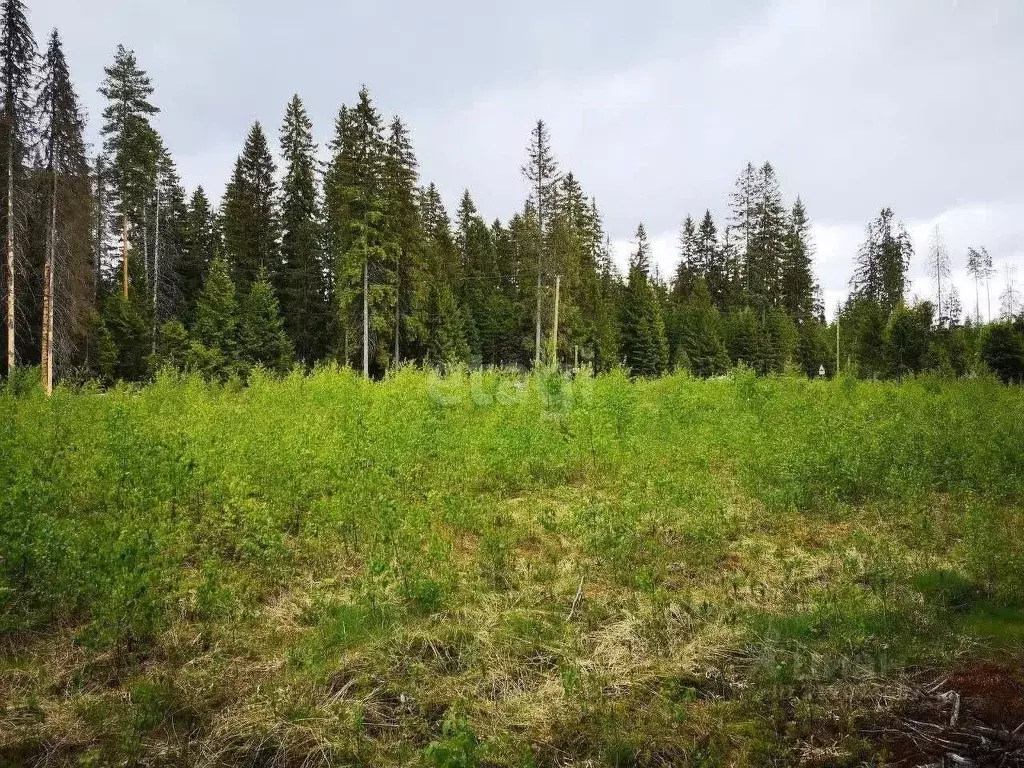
[
  {"x": 363, "y": 252},
  {"x": 250, "y": 219},
  {"x": 541, "y": 172},
  {"x": 797, "y": 279},
  {"x": 882, "y": 262},
  {"x": 262, "y": 339},
  {"x": 303, "y": 293},
  {"x": 200, "y": 245},
  {"x": 67, "y": 273},
  {"x": 405, "y": 231},
  {"x": 702, "y": 349},
  {"x": 644, "y": 344},
  {"x": 690, "y": 267},
  {"x": 766, "y": 243},
  {"x": 216, "y": 323},
  {"x": 18, "y": 56},
  {"x": 133, "y": 151}
]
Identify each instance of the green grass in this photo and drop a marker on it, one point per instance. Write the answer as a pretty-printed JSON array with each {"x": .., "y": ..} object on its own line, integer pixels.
[{"x": 494, "y": 570}]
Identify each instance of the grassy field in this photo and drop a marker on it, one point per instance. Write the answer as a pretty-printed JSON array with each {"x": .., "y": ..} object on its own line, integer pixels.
[{"x": 497, "y": 571}]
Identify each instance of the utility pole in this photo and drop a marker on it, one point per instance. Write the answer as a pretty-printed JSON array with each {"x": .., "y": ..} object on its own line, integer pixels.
[
  {"x": 366, "y": 318},
  {"x": 554, "y": 349}
]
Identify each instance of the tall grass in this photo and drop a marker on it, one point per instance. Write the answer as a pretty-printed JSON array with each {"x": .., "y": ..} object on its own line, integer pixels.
[{"x": 470, "y": 568}]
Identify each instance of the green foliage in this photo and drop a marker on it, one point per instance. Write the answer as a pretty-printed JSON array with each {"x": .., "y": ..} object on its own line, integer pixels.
[
  {"x": 1002, "y": 350},
  {"x": 261, "y": 336},
  {"x": 458, "y": 746},
  {"x": 642, "y": 336},
  {"x": 216, "y": 323}
]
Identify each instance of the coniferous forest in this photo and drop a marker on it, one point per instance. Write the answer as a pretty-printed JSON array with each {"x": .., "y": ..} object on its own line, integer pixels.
[
  {"x": 113, "y": 269},
  {"x": 332, "y": 472}
]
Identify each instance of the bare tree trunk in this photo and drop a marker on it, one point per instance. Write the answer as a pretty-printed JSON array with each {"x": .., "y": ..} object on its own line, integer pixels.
[
  {"x": 10, "y": 257},
  {"x": 540, "y": 253},
  {"x": 98, "y": 265},
  {"x": 554, "y": 338},
  {"x": 145, "y": 244},
  {"x": 48, "y": 297},
  {"x": 398, "y": 311},
  {"x": 156, "y": 269},
  {"x": 366, "y": 319},
  {"x": 124, "y": 257}
]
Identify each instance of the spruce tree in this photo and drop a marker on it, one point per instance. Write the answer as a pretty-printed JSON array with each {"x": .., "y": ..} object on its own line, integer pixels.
[
  {"x": 405, "y": 230},
  {"x": 766, "y": 243},
  {"x": 880, "y": 274},
  {"x": 215, "y": 329},
  {"x": 262, "y": 339},
  {"x": 702, "y": 349},
  {"x": 797, "y": 281},
  {"x": 67, "y": 210},
  {"x": 250, "y": 219},
  {"x": 303, "y": 293},
  {"x": 710, "y": 258},
  {"x": 200, "y": 245},
  {"x": 690, "y": 263},
  {"x": 18, "y": 55},
  {"x": 364, "y": 254},
  {"x": 644, "y": 344},
  {"x": 541, "y": 173}
]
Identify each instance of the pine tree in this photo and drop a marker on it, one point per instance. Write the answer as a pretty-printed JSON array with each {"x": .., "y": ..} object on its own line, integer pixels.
[
  {"x": 133, "y": 151},
  {"x": 303, "y": 293},
  {"x": 541, "y": 172},
  {"x": 67, "y": 273},
  {"x": 979, "y": 266},
  {"x": 250, "y": 219},
  {"x": 18, "y": 55},
  {"x": 262, "y": 339}
]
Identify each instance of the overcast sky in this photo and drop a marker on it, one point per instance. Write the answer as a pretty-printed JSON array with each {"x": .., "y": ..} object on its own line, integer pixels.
[{"x": 656, "y": 106}]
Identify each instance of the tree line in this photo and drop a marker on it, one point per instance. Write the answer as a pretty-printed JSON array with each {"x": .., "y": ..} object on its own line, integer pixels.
[{"x": 112, "y": 270}]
